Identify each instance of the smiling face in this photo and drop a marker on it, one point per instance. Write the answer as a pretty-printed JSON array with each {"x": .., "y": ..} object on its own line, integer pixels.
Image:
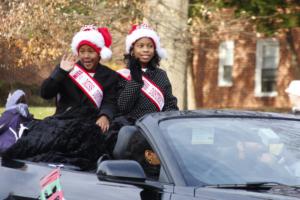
[
  {"x": 88, "y": 57},
  {"x": 143, "y": 49}
]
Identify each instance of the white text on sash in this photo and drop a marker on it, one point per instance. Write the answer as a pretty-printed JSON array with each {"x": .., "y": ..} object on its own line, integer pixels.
[
  {"x": 151, "y": 90},
  {"x": 87, "y": 84}
]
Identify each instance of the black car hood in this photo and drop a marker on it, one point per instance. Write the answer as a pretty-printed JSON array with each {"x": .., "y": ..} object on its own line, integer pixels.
[
  {"x": 75, "y": 185},
  {"x": 235, "y": 194},
  {"x": 81, "y": 185}
]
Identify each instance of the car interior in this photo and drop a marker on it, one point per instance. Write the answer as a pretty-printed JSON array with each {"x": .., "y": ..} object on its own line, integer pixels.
[{"x": 121, "y": 149}]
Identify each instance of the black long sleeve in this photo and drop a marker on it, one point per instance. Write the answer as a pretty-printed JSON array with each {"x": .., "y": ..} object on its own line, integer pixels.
[
  {"x": 134, "y": 103},
  {"x": 68, "y": 94},
  {"x": 129, "y": 94},
  {"x": 109, "y": 102},
  {"x": 52, "y": 85}
]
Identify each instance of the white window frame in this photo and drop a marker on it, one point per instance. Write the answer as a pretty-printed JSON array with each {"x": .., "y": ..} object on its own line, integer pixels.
[
  {"x": 225, "y": 58},
  {"x": 259, "y": 65}
]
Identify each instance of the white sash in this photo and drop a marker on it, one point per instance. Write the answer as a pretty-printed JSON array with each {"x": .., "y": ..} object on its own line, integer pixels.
[
  {"x": 150, "y": 89},
  {"x": 87, "y": 84}
]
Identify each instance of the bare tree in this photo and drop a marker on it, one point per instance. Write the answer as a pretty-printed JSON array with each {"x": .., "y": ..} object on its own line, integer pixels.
[{"x": 170, "y": 19}]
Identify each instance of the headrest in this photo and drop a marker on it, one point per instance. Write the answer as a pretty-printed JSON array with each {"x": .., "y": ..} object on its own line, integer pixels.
[{"x": 124, "y": 136}]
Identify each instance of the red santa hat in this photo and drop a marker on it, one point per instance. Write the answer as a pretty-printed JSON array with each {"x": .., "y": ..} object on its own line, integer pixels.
[
  {"x": 143, "y": 30},
  {"x": 97, "y": 38}
]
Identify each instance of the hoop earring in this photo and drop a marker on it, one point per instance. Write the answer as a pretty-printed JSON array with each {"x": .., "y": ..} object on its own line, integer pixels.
[{"x": 149, "y": 161}]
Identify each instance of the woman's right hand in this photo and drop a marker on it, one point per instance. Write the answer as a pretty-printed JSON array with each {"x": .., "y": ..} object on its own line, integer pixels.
[{"x": 67, "y": 62}]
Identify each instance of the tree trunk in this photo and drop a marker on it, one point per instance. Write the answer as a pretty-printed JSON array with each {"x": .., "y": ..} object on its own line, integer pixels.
[
  {"x": 169, "y": 18},
  {"x": 293, "y": 40}
]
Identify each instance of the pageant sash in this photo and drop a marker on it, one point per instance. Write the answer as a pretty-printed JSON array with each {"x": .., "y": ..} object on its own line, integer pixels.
[
  {"x": 150, "y": 89},
  {"x": 87, "y": 84}
]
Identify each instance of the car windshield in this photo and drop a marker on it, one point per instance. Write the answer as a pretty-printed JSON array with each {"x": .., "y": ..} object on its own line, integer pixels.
[{"x": 235, "y": 150}]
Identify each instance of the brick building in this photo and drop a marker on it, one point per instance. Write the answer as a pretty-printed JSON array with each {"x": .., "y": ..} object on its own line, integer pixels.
[{"x": 244, "y": 70}]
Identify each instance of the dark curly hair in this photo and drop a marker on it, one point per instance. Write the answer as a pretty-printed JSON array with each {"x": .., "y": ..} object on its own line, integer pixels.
[
  {"x": 138, "y": 146},
  {"x": 153, "y": 63},
  {"x": 136, "y": 151}
]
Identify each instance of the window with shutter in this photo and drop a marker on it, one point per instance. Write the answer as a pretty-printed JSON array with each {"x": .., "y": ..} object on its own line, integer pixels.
[
  {"x": 267, "y": 59},
  {"x": 226, "y": 60}
]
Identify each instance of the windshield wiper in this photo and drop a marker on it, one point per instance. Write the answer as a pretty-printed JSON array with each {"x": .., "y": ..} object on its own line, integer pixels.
[{"x": 252, "y": 186}]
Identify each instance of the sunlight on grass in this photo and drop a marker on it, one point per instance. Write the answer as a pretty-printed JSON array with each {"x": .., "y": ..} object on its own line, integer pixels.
[{"x": 39, "y": 112}]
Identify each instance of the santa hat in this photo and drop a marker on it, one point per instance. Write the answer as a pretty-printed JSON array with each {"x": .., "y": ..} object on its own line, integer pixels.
[
  {"x": 97, "y": 38},
  {"x": 139, "y": 31},
  {"x": 293, "y": 88}
]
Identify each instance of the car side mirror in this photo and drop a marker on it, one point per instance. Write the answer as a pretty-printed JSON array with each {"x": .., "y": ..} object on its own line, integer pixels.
[{"x": 121, "y": 171}]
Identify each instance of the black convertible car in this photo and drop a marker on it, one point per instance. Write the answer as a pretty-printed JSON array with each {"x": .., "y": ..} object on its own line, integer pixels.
[{"x": 204, "y": 154}]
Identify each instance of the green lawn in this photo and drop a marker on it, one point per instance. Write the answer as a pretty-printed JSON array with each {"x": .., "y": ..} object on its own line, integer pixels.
[{"x": 39, "y": 112}]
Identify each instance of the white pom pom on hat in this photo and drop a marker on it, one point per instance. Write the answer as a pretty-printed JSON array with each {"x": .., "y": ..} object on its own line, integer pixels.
[
  {"x": 140, "y": 31},
  {"x": 97, "y": 38}
]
